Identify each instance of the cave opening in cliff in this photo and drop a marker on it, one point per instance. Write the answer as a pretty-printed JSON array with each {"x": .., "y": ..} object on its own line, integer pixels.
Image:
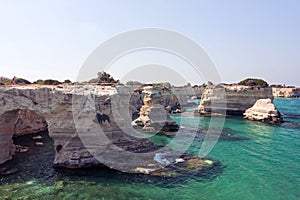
[{"x": 30, "y": 149}]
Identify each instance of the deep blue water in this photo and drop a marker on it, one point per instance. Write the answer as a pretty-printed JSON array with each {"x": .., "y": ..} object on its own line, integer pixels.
[{"x": 259, "y": 161}]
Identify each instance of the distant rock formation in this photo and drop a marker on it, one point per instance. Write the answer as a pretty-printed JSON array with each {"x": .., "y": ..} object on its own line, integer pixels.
[
  {"x": 265, "y": 111},
  {"x": 153, "y": 115},
  {"x": 286, "y": 92},
  {"x": 230, "y": 99},
  {"x": 175, "y": 99}
]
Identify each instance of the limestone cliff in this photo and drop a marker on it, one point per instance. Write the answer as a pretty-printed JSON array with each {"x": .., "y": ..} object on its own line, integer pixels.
[
  {"x": 230, "y": 99},
  {"x": 263, "y": 110},
  {"x": 90, "y": 126},
  {"x": 286, "y": 92}
]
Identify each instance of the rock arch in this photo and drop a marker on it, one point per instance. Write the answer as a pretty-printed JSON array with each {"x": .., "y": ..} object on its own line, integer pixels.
[{"x": 40, "y": 106}]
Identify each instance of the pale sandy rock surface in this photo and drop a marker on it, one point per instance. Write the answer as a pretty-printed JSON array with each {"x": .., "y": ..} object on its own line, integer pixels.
[
  {"x": 230, "y": 100},
  {"x": 286, "y": 92},
  {"x": 263, "y": 110}
]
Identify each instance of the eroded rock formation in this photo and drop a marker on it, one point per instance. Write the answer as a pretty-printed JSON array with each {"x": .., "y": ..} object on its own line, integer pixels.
[
  {"x": 153, "y": 115},
  {"x": 90, "y": 126},
  {"x": 265, "y": 111},
  {"x": 175, "y": 99},
  {"x": 16, "y": 123},
  {"x": 27, "y": 122},
  {"x": 230, "y": 100}
]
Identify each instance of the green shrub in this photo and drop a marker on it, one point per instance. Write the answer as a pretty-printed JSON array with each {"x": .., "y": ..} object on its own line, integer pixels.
[
  {"x": 104, "y": 77},
  {"x": 94, "y": 80},
  {"x": 254, "y": 82},
  {"x": 131, "y": 83},
  {"x": 47, "y": 82},
  {"x": 22, "y": 81},
  {"x": 5, "y": 81}
]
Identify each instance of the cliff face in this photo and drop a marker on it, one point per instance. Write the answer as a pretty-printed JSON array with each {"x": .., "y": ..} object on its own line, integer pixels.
[
  {"x": 286, "y": 92},
  {"x": 90, "y": 126},
  {"x": 263, "y": 110},
  {"x": 153, "y": 115},
  {"x": 71, "y": 112},
  {"x": 230, "y": 100},
  {"x": 170, "y": 99}
]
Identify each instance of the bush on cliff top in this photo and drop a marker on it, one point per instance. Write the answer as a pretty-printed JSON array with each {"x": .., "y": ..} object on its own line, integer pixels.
[
  {"x": 254, "y": 82},
  {"x": 47, "y": 82},
  {"x": 5, "y": 81},
  {"x": 104, "y": 77},
  {"x": 134, "y": 83},
  {"x": 22, "y": 81}
]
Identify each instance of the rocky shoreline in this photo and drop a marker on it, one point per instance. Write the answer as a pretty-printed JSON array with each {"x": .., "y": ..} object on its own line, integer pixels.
[
  {"x": 74, "y": 115},
  {"x": 76, "y": 138}
]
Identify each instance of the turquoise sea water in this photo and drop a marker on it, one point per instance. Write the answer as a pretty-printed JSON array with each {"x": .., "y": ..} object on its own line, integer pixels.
[{"x": 259, "y": 161}]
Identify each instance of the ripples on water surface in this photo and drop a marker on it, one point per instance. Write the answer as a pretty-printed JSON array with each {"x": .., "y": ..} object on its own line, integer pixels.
[{"x": 259, "y": 161}]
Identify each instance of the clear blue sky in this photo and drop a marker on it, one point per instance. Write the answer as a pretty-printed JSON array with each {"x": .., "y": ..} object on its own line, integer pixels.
[{"x": 52, "y": 39}]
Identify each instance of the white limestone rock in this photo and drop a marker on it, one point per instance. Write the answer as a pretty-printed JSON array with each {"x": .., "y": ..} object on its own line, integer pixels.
[{"x": 265, "y": 111}]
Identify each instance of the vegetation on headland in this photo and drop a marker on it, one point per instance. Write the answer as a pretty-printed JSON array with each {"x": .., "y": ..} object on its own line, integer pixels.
[
  {"x": 134, "y": 83},
  {"x": 104, "y": 78},
  {"x": 22, "y": 81},
  {"x": 47, "y": 82},
  {"x": 254, "y": 82},
  {"x": 137, "y": 84},
  {"x": 5, "y": 81}
]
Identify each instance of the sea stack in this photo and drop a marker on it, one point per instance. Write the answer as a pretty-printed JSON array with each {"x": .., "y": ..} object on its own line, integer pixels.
[
  {"x": 153, "y": 115},
  {"x": 265, "y": 111}
]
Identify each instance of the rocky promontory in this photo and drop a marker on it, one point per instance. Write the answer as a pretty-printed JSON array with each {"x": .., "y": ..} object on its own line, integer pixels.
[
  {"x": 231, "y": 99},
  {"x": 90, "y": 125}
]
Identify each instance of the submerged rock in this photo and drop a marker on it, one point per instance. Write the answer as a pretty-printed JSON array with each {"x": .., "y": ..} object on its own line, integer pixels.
[
  {"x": 39, "y": 144},
  {"x": 265, "y": 111},
  {"x": 185, "y": 165},
  {"x": 38, "y": 137},
  {"x": 21, "y": 149}
]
